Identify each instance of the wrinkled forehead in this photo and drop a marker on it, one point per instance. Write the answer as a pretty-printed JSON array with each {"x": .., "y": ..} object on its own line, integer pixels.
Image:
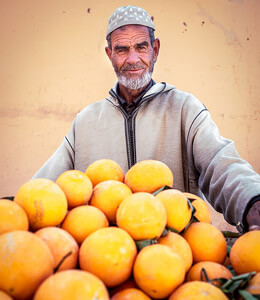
[{"x": 130, "y": 34}]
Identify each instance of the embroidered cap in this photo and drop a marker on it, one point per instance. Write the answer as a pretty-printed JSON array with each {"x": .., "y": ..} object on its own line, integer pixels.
[{"x": 129, "y": 15}]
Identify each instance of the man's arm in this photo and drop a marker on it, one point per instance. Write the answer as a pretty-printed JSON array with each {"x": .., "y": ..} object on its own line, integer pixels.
[{"x": 228, "y": 182}]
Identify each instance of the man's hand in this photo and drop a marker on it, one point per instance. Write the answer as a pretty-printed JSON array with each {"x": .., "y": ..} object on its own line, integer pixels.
[{"x": 253, "y": 217}]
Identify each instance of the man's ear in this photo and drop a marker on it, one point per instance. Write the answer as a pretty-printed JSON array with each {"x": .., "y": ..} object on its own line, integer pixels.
[
  {"x": 156, "y": 48},
  {"x": 108, "y": 52}
]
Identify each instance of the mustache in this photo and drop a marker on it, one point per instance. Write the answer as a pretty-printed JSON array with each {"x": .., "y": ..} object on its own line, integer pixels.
[{"x": 132, "y": 67}]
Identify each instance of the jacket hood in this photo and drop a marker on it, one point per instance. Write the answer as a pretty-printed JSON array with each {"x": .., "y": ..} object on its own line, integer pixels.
[{"x": 156, "y": 89}]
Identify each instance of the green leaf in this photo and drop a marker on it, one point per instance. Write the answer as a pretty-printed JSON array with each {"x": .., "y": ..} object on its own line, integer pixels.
[
  {"x": 243, "y": 276},
  {"x": 236, "y": 283},
  {"x": 204, "y": 273},
  {"x": 230, "y": 234},
  {"x": 62, "y": 260},
  {"x": 193, "y": 218},
  {"x": 247, "y": 279},
  {"x": 166, "y": 187},
  {"x": 228, "y": 250},
  {"x": 231, "y": 269},
  {"x": 217, "y": 281},
  {"x": 193, "y": 209},
  {"x": 165, "y": 232},
  {"x": 230, "y": 286},
  {"x": 141, "y": 244},
  {"x": 172, "y": 229},
  {"x": 8, "y": 198},
  {"x": 247, "y": 296}
]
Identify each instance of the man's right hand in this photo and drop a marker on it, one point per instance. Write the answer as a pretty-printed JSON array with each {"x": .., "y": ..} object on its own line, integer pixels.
[{"x": 253, "y": 217}]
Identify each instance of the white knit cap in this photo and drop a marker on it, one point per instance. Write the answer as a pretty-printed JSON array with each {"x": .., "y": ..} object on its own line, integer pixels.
[{"x": 129, "y": 15}]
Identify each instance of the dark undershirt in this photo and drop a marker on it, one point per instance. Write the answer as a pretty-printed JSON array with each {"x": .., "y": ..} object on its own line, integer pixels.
[{"x": 129, "y": 107}]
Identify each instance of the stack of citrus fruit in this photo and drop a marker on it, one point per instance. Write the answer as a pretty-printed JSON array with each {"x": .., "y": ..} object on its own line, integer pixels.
[{"x": 102, "y": 233}]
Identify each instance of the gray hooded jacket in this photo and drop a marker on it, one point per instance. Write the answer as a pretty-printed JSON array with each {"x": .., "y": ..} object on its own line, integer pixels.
[{"x": 168, "y": 125}]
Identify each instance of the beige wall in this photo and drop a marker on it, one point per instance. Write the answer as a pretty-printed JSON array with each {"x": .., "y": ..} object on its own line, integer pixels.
[{"x": 52, "y": 64}]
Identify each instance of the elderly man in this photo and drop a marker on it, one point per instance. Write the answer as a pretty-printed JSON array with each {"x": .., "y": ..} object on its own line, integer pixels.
[{"x": 142, "y": 120}]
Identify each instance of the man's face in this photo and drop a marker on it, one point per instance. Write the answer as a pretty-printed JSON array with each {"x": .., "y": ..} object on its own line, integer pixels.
[{"x": 132, "y": 55}]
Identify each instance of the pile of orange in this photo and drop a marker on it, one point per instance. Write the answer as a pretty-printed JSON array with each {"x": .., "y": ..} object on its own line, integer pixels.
[{"x": 103, "y": 234}]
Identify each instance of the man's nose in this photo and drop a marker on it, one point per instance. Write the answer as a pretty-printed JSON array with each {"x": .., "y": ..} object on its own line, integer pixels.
[{"x": 132, "y": 57}]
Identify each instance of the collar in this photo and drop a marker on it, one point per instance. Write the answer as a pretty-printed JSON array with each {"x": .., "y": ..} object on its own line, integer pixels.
[
  {"x": 155, "y": 90},
  {"x": 135, "y": 102}
]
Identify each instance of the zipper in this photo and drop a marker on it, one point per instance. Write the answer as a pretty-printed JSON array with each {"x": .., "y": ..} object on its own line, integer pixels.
[
  {"x": 130, "y": 135},
  {"x": 130, "y": 126},
  {"x": 130, "y": 132}
]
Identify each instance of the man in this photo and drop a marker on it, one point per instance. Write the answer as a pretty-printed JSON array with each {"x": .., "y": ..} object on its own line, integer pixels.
[{"x": 142, "y": 120}]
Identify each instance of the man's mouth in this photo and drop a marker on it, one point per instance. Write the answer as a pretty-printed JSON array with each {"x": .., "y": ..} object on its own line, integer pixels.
[{"x": 134, "y": 71}]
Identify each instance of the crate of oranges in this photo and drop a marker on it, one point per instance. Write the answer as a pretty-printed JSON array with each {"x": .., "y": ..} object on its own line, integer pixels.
[{"x": 102, "y": 234}]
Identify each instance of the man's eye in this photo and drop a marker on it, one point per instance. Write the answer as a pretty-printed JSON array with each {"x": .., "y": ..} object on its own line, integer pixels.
[{"x": 121, "y": 50}]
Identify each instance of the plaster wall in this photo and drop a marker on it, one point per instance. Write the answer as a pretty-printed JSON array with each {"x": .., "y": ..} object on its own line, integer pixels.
[{"x": 53, "y": 64}]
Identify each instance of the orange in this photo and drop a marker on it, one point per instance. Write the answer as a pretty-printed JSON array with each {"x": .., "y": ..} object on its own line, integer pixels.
[
  {"x": 12, "y": 217},
  {"x": 207, "y": 242},
  {"x": 198, "y": 290},
  {"x": 129, "y": 283},
  {"x": 108, "y": 253},
  {"x": 148, "y": 176},
  {"x": 130, "y": 294},
  {"x": 142, "y": 216},
  {"x": 158, "y": 270},
  {"x": 104, "y": 169},
  {"x": 178, "y": 244},
  {"x": 177, "y": 208},
  {"x": 62, "y": 245},
  {"x": 202, "y": 211},
  {"x": 83, "y": 220},
  {"x": 4, "y": 296},
  {"x": 245, "y": 253},
  {"x": 108, "y": 195},
  {"x": 77, "y": 187},
  {"x": 254, "y": 285},
  {"x": 72, "y": 284},
  {"x": 25, "y": 261},
  {"x": 43, "y": 201},
  {"x": 213, "y": 270}
]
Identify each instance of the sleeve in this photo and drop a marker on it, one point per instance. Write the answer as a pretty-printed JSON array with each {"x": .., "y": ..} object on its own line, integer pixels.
[
  {"x": 227, "y": 181},
  {"x": 61, "y": 160}
]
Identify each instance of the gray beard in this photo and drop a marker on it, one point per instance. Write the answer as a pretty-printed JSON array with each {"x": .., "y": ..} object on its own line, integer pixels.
[{"x": 135, "y": 84}]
